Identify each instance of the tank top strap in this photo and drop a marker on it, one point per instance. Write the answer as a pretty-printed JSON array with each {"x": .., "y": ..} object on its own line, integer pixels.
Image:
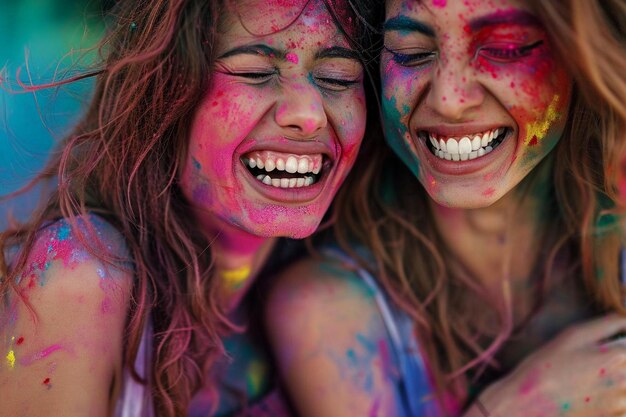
[{"x": 135, "y": 399}]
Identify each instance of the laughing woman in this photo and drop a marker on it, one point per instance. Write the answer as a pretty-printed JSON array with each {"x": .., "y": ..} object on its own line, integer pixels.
[
  {"x": 215, "y": 128},
  {"x": 504, "y": 230}
]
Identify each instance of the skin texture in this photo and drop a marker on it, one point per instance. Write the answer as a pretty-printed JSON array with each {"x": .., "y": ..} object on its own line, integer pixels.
[
  {"x": 71, "y": 339},
  {"x": 279, "y": 96}
]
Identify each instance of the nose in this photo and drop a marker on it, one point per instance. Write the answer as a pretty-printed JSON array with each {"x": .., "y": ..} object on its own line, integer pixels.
[
  {"x": 300, "y": 110},
  {"x": 455, "y": 89}
]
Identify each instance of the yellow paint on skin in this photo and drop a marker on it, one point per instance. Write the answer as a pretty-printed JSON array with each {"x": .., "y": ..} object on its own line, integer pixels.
[
  {"x": 236, "y": 277},
  {"x": 540, "y": 128},
  {"x": 11, "y": 359}
]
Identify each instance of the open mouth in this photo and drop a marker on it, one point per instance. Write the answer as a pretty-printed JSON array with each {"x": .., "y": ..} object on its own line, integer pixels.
[
  {"x": 465, "y": 147},
  {"x": 282, "y": 170}
]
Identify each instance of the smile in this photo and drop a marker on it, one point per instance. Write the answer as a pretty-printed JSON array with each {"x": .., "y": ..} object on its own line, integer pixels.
[
  {"x": 283, "y": 170},
  {"x": 465, "y": 147}
]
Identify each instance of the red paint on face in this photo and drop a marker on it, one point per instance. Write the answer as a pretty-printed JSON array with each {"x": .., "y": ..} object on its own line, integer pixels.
[
  {"x": 20, "y": 340},
  {"x": 270, "y": 92},
  {"x": 533, "y": 141},
  {"x": 46, "y": 381}
]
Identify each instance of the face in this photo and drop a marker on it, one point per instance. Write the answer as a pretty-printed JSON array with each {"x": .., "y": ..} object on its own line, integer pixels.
[
  {"x": 281, "y": 124},
  {"x": 473, "y": 95}
]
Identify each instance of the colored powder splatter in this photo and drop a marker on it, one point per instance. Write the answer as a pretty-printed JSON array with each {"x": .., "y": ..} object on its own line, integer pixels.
[
  {"x": 566, "y": 406},
  {"x": 11, "y": 359},
  {"x": 20, "y": 341},
  {"x": 375, "y": 408},
  {"x": 39, "y": 355},
  {"x": 255, "y": 376},
  {"x": 291, "y": 57},
  {"x": 533, "y": 141},
  {"x": 235, "y": 278},
  {"x": 439, "y": 3},
  {"x": 196, "y": 164},
  {"x": 538, "y": 130}
]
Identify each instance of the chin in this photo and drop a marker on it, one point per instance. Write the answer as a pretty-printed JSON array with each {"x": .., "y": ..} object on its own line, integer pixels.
[{"x": 464, "y": 200}]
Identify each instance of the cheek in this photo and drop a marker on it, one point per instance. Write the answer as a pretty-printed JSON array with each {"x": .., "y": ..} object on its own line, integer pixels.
[
  {"x": 401, "y": 88},
  {"x": 351, "y": 127}
]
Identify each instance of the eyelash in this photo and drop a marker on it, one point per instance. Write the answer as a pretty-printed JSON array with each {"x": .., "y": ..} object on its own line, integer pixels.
[
  {"x": 505, "y": 52},
  {"x": 334, "y": 84},
  {"x": 410, "y": 60},
  {"x": 496, "y": 52}
]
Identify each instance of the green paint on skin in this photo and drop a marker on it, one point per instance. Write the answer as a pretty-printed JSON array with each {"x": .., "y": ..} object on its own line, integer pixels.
[
  {"x": 395, "y": 132},
  {"x": 566, "y": 407},
  {"x": 360, "y": 288}
]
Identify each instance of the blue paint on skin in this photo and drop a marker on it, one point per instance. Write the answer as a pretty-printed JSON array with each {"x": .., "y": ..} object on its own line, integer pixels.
[
  {"x": 396, "y": 131},
  {"x": 196, "y": 164}
]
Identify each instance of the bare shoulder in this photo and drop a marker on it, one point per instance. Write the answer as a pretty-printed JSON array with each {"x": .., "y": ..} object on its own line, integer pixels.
[
  {"x": 65, "y": 324},
  {"x": 330, "y": 341}
]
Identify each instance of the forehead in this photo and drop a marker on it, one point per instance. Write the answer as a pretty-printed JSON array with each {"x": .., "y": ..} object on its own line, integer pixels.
[
  {"x": 254, "y": 19},
  {"x": 453, "y": 10}
]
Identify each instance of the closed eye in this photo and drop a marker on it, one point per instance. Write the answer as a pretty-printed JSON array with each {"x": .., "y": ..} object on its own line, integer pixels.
[
  {"x": 507, "y": 52},
  {"x": 335, "y": 84},
  {"x": 411, "y": 57},
  {"x": 258, "y": 77}
]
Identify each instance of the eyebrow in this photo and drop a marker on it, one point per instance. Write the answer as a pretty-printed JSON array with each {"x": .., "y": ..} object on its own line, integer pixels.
[
  {"x": 338, "y": 52},
  {"x": 518, "y": 17},
  {"x": 406, "y": 24},
  {"x": 267, "y": 51},
  {"x": 259, "y": 49}
]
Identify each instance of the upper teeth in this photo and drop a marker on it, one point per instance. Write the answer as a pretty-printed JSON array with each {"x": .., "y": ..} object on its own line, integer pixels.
[
  {"x": 291, "y": 163},
  {"x": 467, "y": 147},
  {"x": 269, "y": 161}
]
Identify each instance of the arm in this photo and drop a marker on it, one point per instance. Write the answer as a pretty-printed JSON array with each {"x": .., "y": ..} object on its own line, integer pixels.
[
  {"x": 62, "y": 356},
  {"x": 330, "y": 343}
]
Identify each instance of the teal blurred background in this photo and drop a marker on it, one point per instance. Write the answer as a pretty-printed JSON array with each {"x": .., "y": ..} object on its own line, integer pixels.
[{"x": 42, "y": 40}]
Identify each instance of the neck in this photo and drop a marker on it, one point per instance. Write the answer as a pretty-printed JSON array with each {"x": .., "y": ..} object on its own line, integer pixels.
[
  {"x": 239, "y": 256},
  {"x": 499, "y": 245}
]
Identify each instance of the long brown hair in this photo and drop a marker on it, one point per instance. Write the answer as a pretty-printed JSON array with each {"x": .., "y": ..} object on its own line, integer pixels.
[
  {"x": 385, "y": 208},
  {"x": 121, "y": 162}
]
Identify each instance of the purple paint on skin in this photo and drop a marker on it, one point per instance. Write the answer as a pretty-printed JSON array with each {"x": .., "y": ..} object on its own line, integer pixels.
[{"x": 29, "y": 360}]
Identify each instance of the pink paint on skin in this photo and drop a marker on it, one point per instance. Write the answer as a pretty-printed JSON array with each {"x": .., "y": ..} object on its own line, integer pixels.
[
  {"x": 439, "y": 3},
  {"x": 29, "y": 360},
  {"x": 290, "y": 115},
  {"x": 291, "y": 57},
  {"x": 532, "y": 380}
]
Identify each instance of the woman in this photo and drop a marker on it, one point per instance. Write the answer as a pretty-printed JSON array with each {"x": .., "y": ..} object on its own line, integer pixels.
[
  {"x": 215, "y": 128},
  {"x": 510, "y": 115}
]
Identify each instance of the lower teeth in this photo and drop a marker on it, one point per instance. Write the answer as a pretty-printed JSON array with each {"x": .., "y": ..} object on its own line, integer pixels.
[{"x": 286, "y": 182}]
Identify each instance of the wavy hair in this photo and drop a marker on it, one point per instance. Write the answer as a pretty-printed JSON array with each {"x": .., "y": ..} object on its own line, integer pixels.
[
  {"x": 121, "y": 162},
  {"x": 386, "y": 209}
]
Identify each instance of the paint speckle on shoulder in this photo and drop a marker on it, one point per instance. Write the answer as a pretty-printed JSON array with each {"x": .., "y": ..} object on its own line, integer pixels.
[{"x": 72, "y": 242}]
